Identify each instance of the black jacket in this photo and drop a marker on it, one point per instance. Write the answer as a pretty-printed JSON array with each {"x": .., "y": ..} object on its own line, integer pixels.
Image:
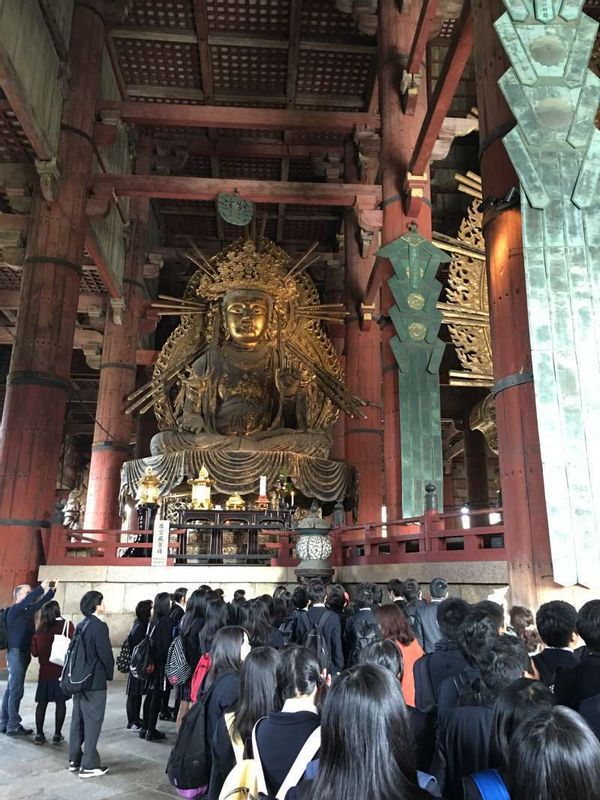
[
  {"x": 427, "y": 629},
  {"x": 450, "y": 692},
  {"x": 98, "y": 650},
  {"x": 463, "y": 748},
  {"x": 573, "y": 686},
  {"x": 176, "y": 615},
  {"x": 552, "y": 660},
  {"x": 433, "y": 669},
  {"x": 332, "y": 634},
  {"x": 279, "y": 738},
  {"x": 359, "y": 617},
  {"x": 222, "y": 759},
  {"x": 191, "y": 643},
  {"x": 222, "y": 695},
  {"x": 19, "y": 622}
]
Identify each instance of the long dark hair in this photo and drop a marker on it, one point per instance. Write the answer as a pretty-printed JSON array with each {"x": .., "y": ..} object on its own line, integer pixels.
[
  {"x": 367, "y": 748},
  {"x": 257, "y": 622},
  {"x": 385, "y": 653},
  {"x": 49, "y": 613},
  {"x": 225, "y": 653},
  {"x": 513, "y": 705},
  {"x": 258, "y": 690},
  {"x": 216, "y": 618},
  {"x": 298, "y": 673},
  {"x": 162, "y": 607},
  {"x": 554, "y": 755},
  {"x": 195, "y": 609}
]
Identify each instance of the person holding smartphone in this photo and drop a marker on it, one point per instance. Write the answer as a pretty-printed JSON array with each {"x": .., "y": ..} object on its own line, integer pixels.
[{"x": 20, "y": 627}]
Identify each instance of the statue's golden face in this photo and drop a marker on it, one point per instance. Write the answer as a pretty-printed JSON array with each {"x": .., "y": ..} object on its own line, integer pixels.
[{"x": 247, "y": 316}]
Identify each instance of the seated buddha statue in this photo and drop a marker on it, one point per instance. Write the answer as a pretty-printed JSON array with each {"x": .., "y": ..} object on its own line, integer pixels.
[{"x": 257, "y": 373}]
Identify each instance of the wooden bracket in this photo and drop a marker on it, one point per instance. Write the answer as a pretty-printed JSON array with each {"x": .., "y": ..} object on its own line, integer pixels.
[
  {"x": 414, "y": 193},
  {"x": 366, "y": 312}
]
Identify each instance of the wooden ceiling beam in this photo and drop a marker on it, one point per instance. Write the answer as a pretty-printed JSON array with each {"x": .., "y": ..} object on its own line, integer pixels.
[
  {"x": 186, "y": 188},
  {"x": 240, "y": 148},
  {"x": 232, "y": 97},
  {"x": 459, "y": 51},
  {"x": 419, "y": 45},
  {"x": 9, "y": 298},
  {"x": 194, "y": 116},
  {"x": 238, "y": 39}
]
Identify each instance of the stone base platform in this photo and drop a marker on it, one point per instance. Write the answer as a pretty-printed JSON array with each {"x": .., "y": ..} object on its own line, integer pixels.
[{"x": 123, "y": 587}]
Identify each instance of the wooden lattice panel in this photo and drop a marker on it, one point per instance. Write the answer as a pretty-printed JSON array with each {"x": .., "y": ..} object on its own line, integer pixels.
[
  {"x": 316, "y": 137},
  {"x": 309, "y": 230},
  {"x": 301, "y": 169},
  {"x": 14, "y": 146},
  {"x": 465, "y": 96},
  {"x": 447, "y": 28},
  {"x": 261, "y": 16},
  {"x": 91, "y": 280},
  {"x": 255, "y": 68},
  {"x": 320, "y": 18},
  {"x": 333, "y": 73},
  {"x": 335, "y": 212},
  {"x": 199, "y": 228},
  {"x": 243, "y": 133},
  {"x": 162, "y": 13},
  {"x": 10, "y": 278},
  {"x": 159, "y": 63},
  {"x": 262, "y": 169},
  {"x": 196, "y": 166}
]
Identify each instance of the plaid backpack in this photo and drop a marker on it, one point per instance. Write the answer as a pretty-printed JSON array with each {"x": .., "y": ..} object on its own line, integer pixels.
[{"x": 177, "y": 668}]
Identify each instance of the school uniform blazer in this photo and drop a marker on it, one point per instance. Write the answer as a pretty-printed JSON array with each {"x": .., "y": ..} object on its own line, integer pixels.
[{"x": 98, "y": 649}]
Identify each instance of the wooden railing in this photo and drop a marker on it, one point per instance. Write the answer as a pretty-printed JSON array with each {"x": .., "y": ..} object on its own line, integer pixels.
[{"x": 431, "y": 538}]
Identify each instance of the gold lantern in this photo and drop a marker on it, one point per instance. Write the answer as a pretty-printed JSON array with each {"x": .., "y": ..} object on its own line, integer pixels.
[
  {"x": 201, "y": 490},
  {"x": 149, "y": 488}
]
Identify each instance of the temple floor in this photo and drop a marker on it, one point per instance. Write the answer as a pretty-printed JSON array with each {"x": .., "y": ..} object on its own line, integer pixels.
[{"x": 136, "y": 767}]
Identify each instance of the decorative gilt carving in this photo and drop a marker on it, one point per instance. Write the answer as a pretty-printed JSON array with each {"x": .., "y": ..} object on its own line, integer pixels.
[
  {"x": 483, "y": 419},
  {"x": 466, "y": 310}
]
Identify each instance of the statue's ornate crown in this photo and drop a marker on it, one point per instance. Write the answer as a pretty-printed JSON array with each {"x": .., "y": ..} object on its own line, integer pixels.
[{"x": 244, "y": 266}]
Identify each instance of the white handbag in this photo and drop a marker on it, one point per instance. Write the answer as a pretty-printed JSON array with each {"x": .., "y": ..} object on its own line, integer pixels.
[{"x": 60, "y": 645}]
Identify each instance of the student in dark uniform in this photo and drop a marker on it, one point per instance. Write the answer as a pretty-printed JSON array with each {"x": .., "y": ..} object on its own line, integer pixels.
[
  {"x": 282, "y": 734},
  {"x": 258, "y": 697},
  {"x": 556, "y": 622},
  {"x": 89, "y": 706},
  {"x": 514, "y": 704},
  {"x": 136, "y": 686},
  {"x": 161, "y": 634}
]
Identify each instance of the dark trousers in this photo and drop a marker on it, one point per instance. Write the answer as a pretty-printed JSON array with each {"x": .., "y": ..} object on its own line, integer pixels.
[
  {"x": 152, "y": 706},
  {"x": 17, "y": 662},
  {"x": 86, "y": 724}
]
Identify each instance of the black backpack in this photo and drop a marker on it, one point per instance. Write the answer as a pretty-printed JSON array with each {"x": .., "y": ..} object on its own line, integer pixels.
[
  {"x": 315, "y": 641},
  {"x": 78, "y": 671},
  {"x": 3, "y": 631},
  {"x": 189, "y": 764},
  {"x": 141, "y": 664},
  {"x": 365, "y": 632}
]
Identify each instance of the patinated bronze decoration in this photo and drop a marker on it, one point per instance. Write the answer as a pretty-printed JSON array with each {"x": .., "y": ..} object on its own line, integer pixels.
[{"x": 248, "y": 384}]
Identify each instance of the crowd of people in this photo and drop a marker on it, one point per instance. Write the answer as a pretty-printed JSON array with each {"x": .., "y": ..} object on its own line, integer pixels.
[{"x": 313, "y": 695}]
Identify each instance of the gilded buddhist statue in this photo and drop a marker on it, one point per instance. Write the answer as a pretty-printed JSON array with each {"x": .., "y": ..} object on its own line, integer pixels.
[{"x": 249, "y": 370}]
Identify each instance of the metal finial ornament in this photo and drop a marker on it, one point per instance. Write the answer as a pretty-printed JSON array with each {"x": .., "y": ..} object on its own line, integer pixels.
[{"x": 234, "y": 209}]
